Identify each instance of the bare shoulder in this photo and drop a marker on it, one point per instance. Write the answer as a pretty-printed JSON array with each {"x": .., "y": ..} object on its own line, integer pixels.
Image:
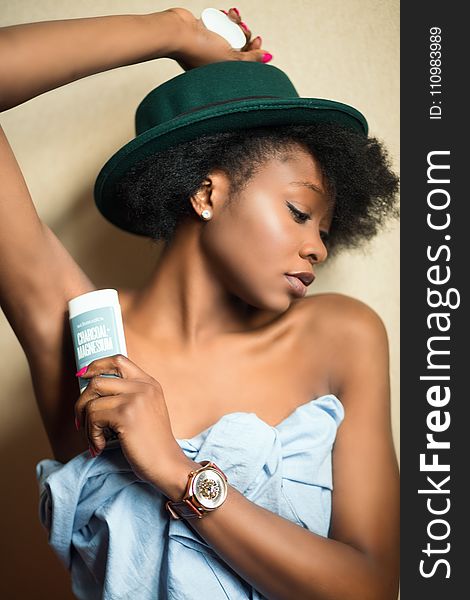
[
  {"x": 343, "y": 317},
  {"x": 348, "y": 330}
]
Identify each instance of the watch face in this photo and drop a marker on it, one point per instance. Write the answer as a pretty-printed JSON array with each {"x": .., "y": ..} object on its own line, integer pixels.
[{"x": 210, "y": 488}]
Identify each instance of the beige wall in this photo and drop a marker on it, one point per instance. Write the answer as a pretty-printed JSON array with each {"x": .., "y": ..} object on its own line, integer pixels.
[{"x": 347, "y": 50}]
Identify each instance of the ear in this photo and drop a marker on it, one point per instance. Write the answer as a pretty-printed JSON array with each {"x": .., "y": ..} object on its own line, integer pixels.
[
  {"x": 212, "y": 194},
  {"x": 202, "y": 198}
]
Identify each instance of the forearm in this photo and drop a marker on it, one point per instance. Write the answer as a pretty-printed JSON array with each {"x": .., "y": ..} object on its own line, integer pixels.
[
  {"x": 282, "y": 560},
  {"x": 37, "y": 57}
]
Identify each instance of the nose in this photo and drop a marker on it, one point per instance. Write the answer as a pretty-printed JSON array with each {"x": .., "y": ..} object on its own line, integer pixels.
[{"x": 314, "y": 249}]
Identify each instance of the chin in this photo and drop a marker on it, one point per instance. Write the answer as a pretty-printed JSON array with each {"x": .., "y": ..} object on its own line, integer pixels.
[
  {"x": 264, "y": 301},
  {"x": 279, "y": 307}
]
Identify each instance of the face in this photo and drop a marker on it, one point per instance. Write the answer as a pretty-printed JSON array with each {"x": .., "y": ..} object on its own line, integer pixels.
[{"x": 276, "y": 225}]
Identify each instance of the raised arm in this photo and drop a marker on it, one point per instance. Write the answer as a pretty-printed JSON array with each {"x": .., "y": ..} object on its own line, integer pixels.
[
  {"x": 37, "y": 57},
  {"x": 37, "y": 274}
]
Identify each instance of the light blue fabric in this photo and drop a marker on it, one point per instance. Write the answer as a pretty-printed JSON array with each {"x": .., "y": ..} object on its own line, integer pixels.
[{"x": 111, "y": 529}]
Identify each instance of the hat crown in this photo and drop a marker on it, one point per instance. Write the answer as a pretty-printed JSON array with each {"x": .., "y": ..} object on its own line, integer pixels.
[{"x": 211, "y": 85}]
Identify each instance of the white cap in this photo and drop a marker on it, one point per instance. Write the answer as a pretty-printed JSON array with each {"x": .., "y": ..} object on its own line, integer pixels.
[{"x": 218, "y": 22}]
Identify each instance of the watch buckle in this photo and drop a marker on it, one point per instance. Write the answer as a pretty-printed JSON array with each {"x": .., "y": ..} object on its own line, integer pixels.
[{"x": 171, "y": 511}]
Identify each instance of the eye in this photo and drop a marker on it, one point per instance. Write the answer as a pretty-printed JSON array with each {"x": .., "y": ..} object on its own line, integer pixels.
[{"x": 300, "y": 217}]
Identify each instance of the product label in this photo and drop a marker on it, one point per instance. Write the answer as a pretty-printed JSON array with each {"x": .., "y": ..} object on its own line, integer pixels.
[{"x": 94, "y": 335}]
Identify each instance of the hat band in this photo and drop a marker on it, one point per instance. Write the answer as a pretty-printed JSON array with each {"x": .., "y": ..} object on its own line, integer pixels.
[{"x": 187, "y": 112}]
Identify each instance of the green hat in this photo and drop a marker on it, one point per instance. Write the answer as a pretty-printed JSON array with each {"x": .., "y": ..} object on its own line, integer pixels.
[{"x": 222, "y": 96}]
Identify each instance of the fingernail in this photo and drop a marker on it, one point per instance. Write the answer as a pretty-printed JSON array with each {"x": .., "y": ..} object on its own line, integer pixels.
[
  {"x": 224, "y": 11},
  {"x": 258, "y": 37},
  {"x": 92, "y": 452},
  {"x": 236, "y": 10},
  {"x": 244, "y": 25},
  {"x": 82, "y": 371},
  {"x": 77, "y": 423},
  {"x": 266, "y": 57}
]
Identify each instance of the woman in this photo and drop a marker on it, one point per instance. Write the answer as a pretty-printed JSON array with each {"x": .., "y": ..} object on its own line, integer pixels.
[{"x": 227, "y": 362}]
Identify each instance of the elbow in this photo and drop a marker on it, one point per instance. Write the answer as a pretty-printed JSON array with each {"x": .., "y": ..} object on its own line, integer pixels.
[
  {"x": 380, "y": 579},
  {"x": 384, "y": 584},
  {"x": 391, "y": 590},
  {"x": 372, "y": 585},
  {"x": 374, "y": 589}
]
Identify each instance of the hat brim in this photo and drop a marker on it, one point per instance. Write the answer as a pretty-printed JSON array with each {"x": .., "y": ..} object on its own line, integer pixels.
[{"x": 237, "y": 115}]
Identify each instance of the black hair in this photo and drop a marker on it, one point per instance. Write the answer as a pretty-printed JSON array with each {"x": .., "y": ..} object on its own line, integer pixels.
[{"x": 356, "y": 167}]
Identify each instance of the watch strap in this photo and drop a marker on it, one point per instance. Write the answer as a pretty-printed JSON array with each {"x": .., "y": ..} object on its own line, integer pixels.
[{"x": 184, "y": 509}]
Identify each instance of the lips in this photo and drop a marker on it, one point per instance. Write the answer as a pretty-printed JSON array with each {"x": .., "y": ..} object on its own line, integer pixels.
[
  {"x": 299, "y": 281},
  {"x": 297, "y": 286},
  {"x": 306, "y": 277}
]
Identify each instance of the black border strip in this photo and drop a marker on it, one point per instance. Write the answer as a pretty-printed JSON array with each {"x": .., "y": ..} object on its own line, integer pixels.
[{"x": 439, "y": 141}]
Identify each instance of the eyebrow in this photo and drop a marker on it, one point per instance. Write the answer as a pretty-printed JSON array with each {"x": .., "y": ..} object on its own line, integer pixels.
[
  {"x": 309, "y": 185},
  {"x": 313, "y": 187}
]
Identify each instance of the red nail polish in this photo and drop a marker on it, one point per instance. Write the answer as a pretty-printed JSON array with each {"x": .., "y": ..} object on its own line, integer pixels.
[
  {"x": 236, "y": 10},
  {"x": 244, "y": 25},
  {"x": 82, "y": 371},
  {"x": 266, "y": 57},
  {"x": 77, "y": 424},
  {"x": 92, "y": 452}
]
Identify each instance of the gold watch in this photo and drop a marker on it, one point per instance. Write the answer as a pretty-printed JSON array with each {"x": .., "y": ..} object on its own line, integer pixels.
[{"x": 205, "y": 491}]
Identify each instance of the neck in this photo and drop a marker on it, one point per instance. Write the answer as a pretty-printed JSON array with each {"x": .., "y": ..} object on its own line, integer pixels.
[{"x": 186, "y": 302}]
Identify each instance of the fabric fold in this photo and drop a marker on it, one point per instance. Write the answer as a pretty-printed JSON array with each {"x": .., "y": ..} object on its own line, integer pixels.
[{"x": 111, "y": 529}]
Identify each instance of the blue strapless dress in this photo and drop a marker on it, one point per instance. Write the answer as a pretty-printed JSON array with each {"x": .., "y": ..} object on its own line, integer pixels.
[{"x": 112, "y": 532}]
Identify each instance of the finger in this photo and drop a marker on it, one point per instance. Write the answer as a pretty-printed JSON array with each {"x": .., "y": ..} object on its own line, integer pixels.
[
  {"x": 100, "y": 387},
  {"x": 255, "y": 43},
  {"x": 118, "y": 365},
  {"x": 244, "y": 27},
  {"x": 246, "y": 30},
  {"x": 235, "y": 15},
  {"x": 101, "y": 415},
  {"x": 256, "y": 55}
]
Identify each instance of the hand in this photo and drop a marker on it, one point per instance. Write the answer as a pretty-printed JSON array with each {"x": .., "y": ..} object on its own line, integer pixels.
[
  {"x": 134, "y": 407},
  {"x": 198, "y": 46}
]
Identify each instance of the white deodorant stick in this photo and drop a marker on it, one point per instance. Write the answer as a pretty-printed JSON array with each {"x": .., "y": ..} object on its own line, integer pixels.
[
  {"x": 218, "y": 22},
  {"x": 96, "y": 327},
  {"x": 97, "y": 331}
]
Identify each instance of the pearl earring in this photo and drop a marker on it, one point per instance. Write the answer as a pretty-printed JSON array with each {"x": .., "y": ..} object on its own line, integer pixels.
[{"x": 206, "y": 214}]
